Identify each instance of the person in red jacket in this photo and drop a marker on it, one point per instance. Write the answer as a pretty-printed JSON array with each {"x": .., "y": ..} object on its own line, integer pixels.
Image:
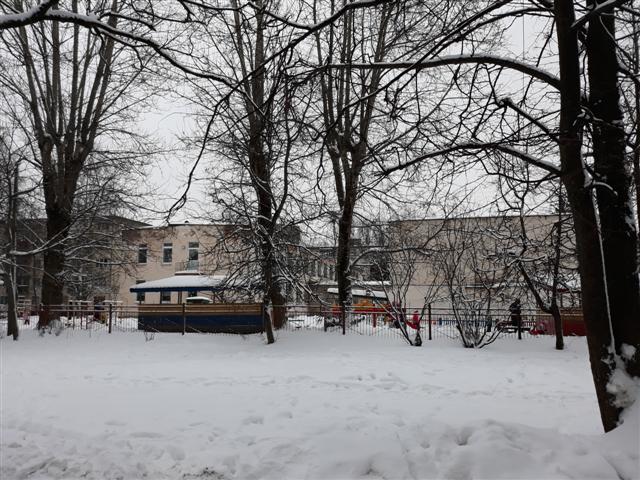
[{"x": 415, "y": 320}]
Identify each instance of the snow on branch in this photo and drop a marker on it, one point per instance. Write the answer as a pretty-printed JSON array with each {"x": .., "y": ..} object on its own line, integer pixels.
[
  {"x": 327, "y": 21},
  {"x": 526, "y": 68},
  {"x": 44, "y": 12},
  {"x": 22, "y": 19},
  {"x": 530, "y": 159}
]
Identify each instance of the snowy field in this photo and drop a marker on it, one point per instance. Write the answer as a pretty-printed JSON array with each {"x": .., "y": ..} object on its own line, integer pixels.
[{"x": 314, "y": 405}]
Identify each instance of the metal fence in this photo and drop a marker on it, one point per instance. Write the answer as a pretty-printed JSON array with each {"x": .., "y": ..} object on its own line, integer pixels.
[
  {"x": 381, "y": 322},
  {"x": 107, "y": 318},
  {"x": 431, "y": 323}
]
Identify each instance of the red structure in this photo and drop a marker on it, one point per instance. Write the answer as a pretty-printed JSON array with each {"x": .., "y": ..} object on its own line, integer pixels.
[{"x": 572, "y": 323}]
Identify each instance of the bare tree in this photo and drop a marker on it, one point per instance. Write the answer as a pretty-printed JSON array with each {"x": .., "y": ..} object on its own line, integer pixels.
[
  {"x": 254, "y": 130},
  {"x": 78, "y": 90},
  {"x": 10, "y": 161},
  {"x": 350, "y": 109},
  {"x": 598, "y": 192},
  {"x": 465, "y": 250},
  {"x": 547, "y": 261}
]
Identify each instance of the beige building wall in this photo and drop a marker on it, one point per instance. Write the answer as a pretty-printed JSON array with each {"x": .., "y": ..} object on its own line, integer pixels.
[
  {"x": 195, "y": 247},
  {"x": 432, "y": 257}
]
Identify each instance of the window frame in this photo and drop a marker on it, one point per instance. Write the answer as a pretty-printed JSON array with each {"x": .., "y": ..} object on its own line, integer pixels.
[
  {"x": 143, "y": 247},
  {"x": 195, "y": 249},
  {"x": 167, "y": 247}
]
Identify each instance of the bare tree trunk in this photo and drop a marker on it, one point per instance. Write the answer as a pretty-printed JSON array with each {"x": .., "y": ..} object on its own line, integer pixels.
[
  {"x": 261, "y": 179},
  {"x": 12, "y": 314},
  {"x": 10, "y": 227},
  {"x": 261, "y": 182},
  {"x": 609, "y": 298},
  {"x": 9, "y": 276},
  {"x": 555, "y": 310},
  {"x": 618, "y": 232},
  {"x": 343, "y": 253},
  {"x": 58, "y": 225},
  {"x": 580, "y": 199},
  {"x": 265, "y": 228},
  {"x": 557, "y": 325}
]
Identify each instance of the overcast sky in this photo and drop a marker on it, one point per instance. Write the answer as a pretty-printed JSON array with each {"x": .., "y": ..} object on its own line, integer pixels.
[{"x": 171, "y": 119}]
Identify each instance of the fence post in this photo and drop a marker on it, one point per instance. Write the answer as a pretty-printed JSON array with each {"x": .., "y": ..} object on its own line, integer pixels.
[
  {"x": 110, "y": 316},
  {"x": 520, "y": 328},
  {"x": 184, "y": 318},
  {"x": 429, "y": 320},
  {"x": 344, "y": 319}
]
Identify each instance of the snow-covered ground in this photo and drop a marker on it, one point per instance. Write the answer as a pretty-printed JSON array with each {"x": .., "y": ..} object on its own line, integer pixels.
[{"x": 314, "y": 405}]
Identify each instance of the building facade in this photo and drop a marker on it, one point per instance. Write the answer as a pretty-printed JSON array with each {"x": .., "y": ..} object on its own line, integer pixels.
[
  {"x": 477, "y": 262},
  {"x": 160, "y": 252},
  {"x": 473, "y": 260}
]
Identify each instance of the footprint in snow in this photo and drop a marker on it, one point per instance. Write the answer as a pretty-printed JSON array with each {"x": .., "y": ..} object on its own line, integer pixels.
[
  {"x": 253, "y": 419},
  {"x": 398, "y": 422},
  {"x": 115, "y": 423},
  {"x": 176, "y": 453},
  {"x": 145, "y": 435}
]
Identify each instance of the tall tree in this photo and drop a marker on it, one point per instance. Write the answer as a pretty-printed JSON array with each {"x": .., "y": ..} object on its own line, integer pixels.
[
  {"x": 349, "y": 109},
  {"x": 77, "y": 89},
  {"x": 251, "y": 135},
  {"x": 10, "y": 161},
  {"x": 619, "y": 318},
  {"x": 598, "y": 192}
]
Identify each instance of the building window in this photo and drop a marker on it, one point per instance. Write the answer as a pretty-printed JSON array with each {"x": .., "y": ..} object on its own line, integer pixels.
[
  {"x": 165, "y": 297},
  {"x": 142, "y": 253},
  {"x": 167, "y": 252},
  {"x": 139, "y": 295},
  {"x": 193, "y": 251},
  {"x": 194, "y": 254}
]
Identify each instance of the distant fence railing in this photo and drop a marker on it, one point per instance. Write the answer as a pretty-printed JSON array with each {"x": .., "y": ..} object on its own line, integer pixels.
[
  {"x": 430, "y": 322},
  {"x": 246, "y": 318},
  {"x": 110, "y": 318}
]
